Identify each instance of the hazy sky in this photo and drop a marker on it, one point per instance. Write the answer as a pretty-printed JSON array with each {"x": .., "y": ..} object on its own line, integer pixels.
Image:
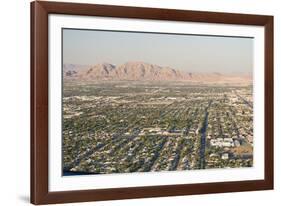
[{"x": 184, "y": 52}]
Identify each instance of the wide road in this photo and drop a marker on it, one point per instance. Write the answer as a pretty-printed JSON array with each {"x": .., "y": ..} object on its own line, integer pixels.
[
  {"x": 203, "y": 137},
  {"x": 250, "y": 104}
]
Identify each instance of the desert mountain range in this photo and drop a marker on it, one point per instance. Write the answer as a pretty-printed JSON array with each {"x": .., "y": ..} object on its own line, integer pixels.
[{"x": 141, "y": 71}]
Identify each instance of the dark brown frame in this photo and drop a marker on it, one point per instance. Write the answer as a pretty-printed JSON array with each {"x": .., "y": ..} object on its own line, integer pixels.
[{"x": 39, "y": 102}]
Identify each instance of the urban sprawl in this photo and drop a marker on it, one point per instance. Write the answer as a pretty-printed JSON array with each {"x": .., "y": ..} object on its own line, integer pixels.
[{"x": 130, "y": 126}]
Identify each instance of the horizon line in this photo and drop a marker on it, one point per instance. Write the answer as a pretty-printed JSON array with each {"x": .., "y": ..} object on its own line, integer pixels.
[{"x": 182, "y": 70}]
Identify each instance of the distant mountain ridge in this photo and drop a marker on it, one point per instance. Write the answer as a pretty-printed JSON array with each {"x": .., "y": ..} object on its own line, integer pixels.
[{"x": 141, "y": 71}]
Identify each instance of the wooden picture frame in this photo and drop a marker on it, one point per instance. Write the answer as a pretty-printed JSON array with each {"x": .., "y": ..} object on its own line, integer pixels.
[{"x": 40, "y": 106}]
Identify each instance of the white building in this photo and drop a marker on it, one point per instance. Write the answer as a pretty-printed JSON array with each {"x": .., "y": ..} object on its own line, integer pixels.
[{"x": 224, "y": 156}]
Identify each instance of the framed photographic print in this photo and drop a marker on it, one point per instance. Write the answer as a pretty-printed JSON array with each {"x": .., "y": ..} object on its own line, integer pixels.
[{"x": 131, "y": 102}]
